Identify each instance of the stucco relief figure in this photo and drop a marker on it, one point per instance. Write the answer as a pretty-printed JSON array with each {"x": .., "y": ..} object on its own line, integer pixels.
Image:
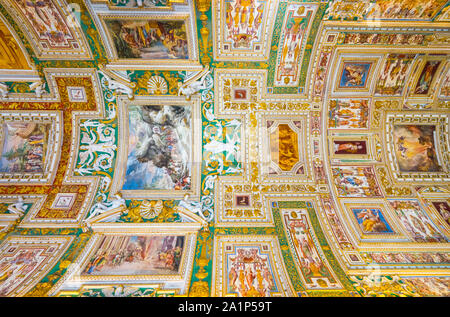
[
  {"x": 3, "y": 90},
  {"x": 189, "y": 88},
  {"x": 38, "y": 88},
  {"x": 118, "y": 87},
  {"x": 101, "y": 208},
  {"x": 18, "y": 208}
]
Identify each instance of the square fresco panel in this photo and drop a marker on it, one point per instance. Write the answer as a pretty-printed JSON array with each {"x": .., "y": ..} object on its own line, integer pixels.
[
  {"x": 354, "y": 75},
  {"x": 24, "y": 147},
  {"x": 136, "y": 255},
  {"x": 371, "y": 220},
  {"x": 159, "y": 148},
  {"x": 148, "y": 39},
  {"x": 415, "y": 148}
]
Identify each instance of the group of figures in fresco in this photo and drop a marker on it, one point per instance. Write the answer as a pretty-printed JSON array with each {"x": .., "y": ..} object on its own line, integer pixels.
[
  {"x": 141, "y": 255},
  {"x": 308, "y": 255},
  {"x": 243, "y": 20},
  {"x": 249, "y": 273},
  {"x": 24, "y": 147},
  {"x": 144, "y": 39},
  {"x": 371, "y": 220},
  {"x": 23, "y": 264},
  {"x": 159, "y": 148},
  {"x": 47, "y": 21},
  {"x": 393, "y": 74},
  {"x": 404, "y": 9},
  {"x": 415, "y": 148}
]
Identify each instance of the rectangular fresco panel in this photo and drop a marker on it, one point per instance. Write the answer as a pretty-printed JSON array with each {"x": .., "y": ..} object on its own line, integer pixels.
[
  {"x": 309, "y": 257},
  {"x": 392, "y": 76},
  {"x": 409, "y": 257},
  {"x": 371, "y": 220},
  {"x": 416, "y": 222},
  {"x": 242, "y": 29},
  {"x": 136, "y": 255},
  {"x": 160, "y": 4},
  {"x": 404, "y": 9},
  {"x": 250, "y": 273},
  {"x": 249, "y": 266},
  {"x": 25, "y": 260},
  {"x": 434, "y": 286},
  {"x": 296, "y": 24},
  {"x": 426, "y": 78},
  {"x": 348, "y": 114},
  {"x": 148, "y": 39},
  {"x": 243, "y": 22},
  {"x": 443, "y": 209},
  {"x": 159, "y": 148},
  {"x": 415, "y": 148},
  {"x": 284, "y": 147},
  {"x": 349, "y": 147},
  {"x": 48, "y": 22},
  {"x": 356, "y": 181},
  {"x": 24, "y": 147}
]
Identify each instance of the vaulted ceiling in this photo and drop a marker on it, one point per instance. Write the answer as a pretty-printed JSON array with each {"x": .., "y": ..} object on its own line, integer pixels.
[{"x": 224, "y": 148}]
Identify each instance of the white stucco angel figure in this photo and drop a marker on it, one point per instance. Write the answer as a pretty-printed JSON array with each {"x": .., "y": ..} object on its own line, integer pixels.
[
  {"x": 190, "y": 86},
  {"x": 195, "y": 207},
  {"x": 118, "y": 87},
  {"x": 230, "y": 147},
  {"x": 38, "y": 88},
  {"x": 3, "y": 90},
  {"x": 120, "y": 291},
  {"x": 18, "y": 208},
  {"x": 147, "y": 3},
  {"x": 101, "y": 208}
]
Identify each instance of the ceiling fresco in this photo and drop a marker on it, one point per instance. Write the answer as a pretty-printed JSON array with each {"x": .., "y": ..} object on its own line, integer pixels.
[{"x": 239, "y": 148}]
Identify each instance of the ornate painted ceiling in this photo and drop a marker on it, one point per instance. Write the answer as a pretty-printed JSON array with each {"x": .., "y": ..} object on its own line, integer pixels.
[{"x": 224, "y": 148}]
